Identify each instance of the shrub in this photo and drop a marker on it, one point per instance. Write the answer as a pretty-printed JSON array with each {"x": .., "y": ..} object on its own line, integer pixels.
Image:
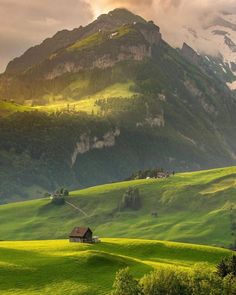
[
  {"x": 229, "y": 285},
  {"x": 58, "y": 200},
  {"x": 165, "y": 281},
  {"x": 222, "y": 268},
  {"x": 125, "y": 284},
  {"x": 201, "y": 280},
  {"x": 204, "y": 281},
  {"x": 227, "y": 266}
]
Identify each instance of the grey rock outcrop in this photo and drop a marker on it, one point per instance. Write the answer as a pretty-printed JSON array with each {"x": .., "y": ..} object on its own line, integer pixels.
[{"x": 87, "y": 143}]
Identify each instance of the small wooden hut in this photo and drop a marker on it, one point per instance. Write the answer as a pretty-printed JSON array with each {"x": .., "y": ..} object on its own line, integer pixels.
[{"x": 81, "y": 235}]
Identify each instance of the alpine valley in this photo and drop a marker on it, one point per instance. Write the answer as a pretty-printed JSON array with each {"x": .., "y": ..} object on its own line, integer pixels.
[{"x": 93, "y": 105}]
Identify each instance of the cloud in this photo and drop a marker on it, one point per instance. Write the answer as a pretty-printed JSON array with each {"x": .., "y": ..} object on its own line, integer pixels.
[
  {"x": 174, "y": 16},
  {"x": 25, "y": 23}
]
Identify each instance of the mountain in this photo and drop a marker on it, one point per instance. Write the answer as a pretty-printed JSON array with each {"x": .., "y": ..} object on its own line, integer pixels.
[
  {"x": 219, "y": 38},
  {"x": 65, "y": 38},
  {"x": 188, "y": 207},
  {"x": 96, "y": 104}
]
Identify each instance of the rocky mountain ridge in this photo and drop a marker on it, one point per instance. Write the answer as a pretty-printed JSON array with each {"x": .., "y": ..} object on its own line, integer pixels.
[
  {"x": 220, "y": 37},
  {"x": 65, "y": 38}
]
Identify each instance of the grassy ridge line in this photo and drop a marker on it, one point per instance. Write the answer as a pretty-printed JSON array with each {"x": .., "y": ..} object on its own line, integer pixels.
[
  {"x": 192, "y": 207},
  {"x": 59, "y": 267}
]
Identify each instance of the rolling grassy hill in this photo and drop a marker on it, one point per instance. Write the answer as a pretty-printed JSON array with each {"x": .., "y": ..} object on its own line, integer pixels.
[
  {"x": 58, "y": 267},
  {"x": 192, "y": 207}
]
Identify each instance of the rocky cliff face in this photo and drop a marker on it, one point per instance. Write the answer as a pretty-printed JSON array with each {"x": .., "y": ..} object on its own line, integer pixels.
[
  {"x": 216, "y": 43},
  {"x": 137, "y": 46},
  {"x": 151, "y": 32},
  {"x": 103, "y": 61},
  {"x": 191, "y": 55},
  {"x": 86, "y": 143}
]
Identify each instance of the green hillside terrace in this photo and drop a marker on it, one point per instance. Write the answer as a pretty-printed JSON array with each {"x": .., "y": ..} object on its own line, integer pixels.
[{"x": 191, "y": 207}]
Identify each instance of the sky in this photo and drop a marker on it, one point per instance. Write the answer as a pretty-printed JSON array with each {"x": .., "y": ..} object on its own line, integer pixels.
[{"x": 24, "y": 23}]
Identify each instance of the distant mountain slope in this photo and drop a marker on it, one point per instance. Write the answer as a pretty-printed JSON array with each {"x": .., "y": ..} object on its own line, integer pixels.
[
  {"x": 191, "y": 207},
  {"x": 144, "y": 105},
  {"x": 218, "y": 37}
]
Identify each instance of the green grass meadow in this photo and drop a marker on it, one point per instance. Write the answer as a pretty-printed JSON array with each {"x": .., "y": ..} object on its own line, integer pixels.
[
  {"x": 37, "y": 258},
  {"x": 192, "y": 207},
  {"x": 59, "y": 267}
]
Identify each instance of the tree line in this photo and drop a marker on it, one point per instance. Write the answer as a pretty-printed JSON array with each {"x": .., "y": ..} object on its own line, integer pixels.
[{"x": 200, "y": 280}]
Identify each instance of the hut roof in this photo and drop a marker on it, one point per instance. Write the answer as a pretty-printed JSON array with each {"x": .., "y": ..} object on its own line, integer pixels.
[{"x": 79, "y": 232}]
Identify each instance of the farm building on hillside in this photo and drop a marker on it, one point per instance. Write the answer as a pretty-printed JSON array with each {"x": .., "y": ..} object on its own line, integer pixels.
[{"x": 83, "y": 235}]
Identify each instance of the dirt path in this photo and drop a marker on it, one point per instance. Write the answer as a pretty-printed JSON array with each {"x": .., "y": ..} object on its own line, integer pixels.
[{"x": 77, "y": 208}]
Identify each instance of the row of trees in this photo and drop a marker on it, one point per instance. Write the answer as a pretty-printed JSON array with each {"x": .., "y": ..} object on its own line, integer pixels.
[
  {"x": 200, "y": 280},
  {"x": 131, "y": 199},
  {"x": 152, "y": 173}
]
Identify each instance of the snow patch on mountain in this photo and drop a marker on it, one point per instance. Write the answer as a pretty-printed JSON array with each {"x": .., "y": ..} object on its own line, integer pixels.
[{"x": 217, "y": 40}]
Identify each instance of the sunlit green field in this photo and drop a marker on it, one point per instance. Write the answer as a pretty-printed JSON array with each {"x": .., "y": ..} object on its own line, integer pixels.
[
  {"x": 61, "y": 268},
  {"x": 86, "y": 103},
  {"x": 191, "y": 207},
  {"x": 9, "y": 108}
]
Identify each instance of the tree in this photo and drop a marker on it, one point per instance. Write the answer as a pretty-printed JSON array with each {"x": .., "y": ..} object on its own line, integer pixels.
[
  {"x": 131, "y": 199},
  {"x": 58, "y": 198},
  {"x": 229, "y": 285},
  {"x": 222, "y": 268},
  {"x": 169, "y": 281},
  {"x": 232, "y": 265},
  {"x": 204, "y": 281},
  {"x": 227, "y": 266},
  {"x": 125, "y": 284},
  {"x": 65, "y": 193}
]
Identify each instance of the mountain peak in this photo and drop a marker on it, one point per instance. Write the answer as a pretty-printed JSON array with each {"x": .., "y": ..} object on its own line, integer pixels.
[
  {"x": 123, "y": 15},
  {"x": 62, "y": 39}
]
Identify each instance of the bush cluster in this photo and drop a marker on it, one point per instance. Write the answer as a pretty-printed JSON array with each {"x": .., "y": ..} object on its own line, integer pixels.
[
  {"x": 142, "y": 174},
  {"x": 200, "y": 280},
  {"x": 58, "y": 198}
]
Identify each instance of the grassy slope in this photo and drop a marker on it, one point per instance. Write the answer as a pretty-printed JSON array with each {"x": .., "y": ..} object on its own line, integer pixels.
[
  {"x": 192, "y": 207},
  {"x": 84, "y": 104},
  {"x": 87, "y": 103},
  {"x": 57, "y": 267},
  {"x": 7, "y": 108}
]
